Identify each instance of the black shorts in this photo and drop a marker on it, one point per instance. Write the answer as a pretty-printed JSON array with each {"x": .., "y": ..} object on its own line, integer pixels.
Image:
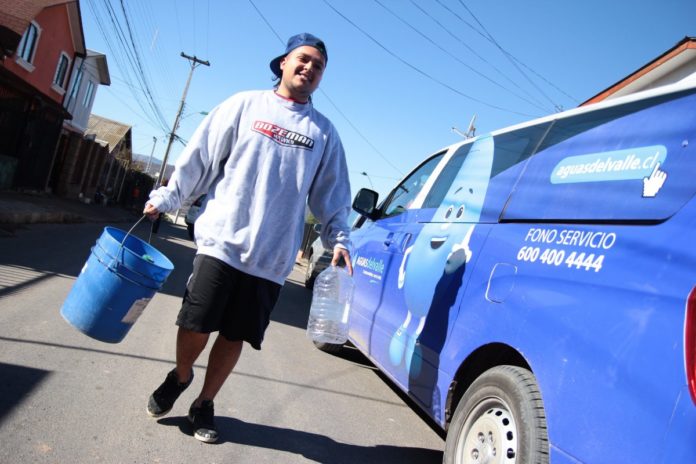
[{"x": 221, "y": 298}]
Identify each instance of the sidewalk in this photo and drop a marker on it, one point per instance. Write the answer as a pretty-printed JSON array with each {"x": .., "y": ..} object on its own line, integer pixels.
[{"x": 28, "y": 208}]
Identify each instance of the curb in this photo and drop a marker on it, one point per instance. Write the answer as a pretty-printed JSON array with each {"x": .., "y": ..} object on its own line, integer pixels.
[{"x": 35, "y": 218}]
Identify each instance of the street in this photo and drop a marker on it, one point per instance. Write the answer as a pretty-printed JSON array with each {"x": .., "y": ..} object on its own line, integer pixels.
[{"x": 65, "y": 397}]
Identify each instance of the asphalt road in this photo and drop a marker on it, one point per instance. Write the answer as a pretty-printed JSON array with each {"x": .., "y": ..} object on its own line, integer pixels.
[{"x": 67, "y": 398}]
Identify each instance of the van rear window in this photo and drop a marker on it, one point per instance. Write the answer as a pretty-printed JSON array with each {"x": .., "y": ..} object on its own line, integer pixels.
[{"x": 635, "y": 162}]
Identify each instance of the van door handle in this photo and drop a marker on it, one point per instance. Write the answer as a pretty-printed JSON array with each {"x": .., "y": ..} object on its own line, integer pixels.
[
  {"x": 389, "y": 240},
  {"x": 399, "y": 241}
]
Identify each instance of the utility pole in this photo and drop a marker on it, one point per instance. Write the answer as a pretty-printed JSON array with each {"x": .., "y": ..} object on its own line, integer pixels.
[
  {"x": 149, "y": 161},
  {"x": 194, "y": 63}
]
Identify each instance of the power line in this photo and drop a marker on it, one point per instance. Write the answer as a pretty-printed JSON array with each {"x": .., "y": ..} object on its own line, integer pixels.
[
  {"x": 376, "y": 176},
  {"x": 474, "y": 52},
  {"x": 134, "y": 65},
  {"x": 533, "y": 71},
  {"x": 266, "y": 21},
  {"x": 140, "y": 67},
  {"x": 361, "y": 134},
  {"x": 123, "y": 49},
  {"x": 178, "y": 23},
  {"x": 329, "y": 99},
  {"x": 145, "y": 115},
  {"x": 119, "y": 54},
  {"x": 456, "y": 58},
  {"x": 150, "y": 32},
  {"x": 420, "y": 71},
  {"x": 508, "y": 56},
  {"x": 194, "y": 27},
  {"x": 207, "y": 28},
  {"x": 132, "y": 86}
]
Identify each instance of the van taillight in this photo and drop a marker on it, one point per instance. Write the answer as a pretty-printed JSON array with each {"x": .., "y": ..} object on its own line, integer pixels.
[{"x": 690, "y": 343}]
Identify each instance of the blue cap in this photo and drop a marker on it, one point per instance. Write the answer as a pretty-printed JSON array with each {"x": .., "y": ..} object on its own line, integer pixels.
[{"x": 294, "y": 42}]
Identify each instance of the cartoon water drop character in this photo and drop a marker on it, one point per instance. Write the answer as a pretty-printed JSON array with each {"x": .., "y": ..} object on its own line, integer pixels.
[{"x": 441, "y": 248}]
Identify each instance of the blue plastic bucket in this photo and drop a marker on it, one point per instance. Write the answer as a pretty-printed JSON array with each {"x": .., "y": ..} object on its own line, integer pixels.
[{"x": 115, "y": 285}]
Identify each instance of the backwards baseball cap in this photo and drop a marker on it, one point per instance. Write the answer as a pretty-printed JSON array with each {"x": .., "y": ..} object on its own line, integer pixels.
[{"x": 294, "y": 42}]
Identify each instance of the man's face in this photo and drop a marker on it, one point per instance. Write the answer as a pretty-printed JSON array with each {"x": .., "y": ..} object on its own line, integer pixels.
[{"x": 302, "y": 69}]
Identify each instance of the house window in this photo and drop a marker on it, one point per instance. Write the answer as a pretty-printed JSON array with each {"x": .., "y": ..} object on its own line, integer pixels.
[
  {"x": 88, "y": 94},
  {"x": 27, "y": 46},
  {"x": 61, "y": 71},
  {"x": 75, "y": 86}
]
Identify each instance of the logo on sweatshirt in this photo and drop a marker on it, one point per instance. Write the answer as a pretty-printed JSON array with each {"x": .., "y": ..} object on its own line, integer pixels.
[{"x": 283, "y": 136}]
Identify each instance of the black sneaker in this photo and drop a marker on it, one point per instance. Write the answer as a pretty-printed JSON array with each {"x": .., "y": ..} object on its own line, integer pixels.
[
  {"x": 203, "y": 420},
  {"x": 162, "y": 400}
]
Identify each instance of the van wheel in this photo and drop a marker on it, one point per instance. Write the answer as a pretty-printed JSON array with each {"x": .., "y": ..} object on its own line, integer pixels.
[
  {"x": 501, "y": 419},
  {"x": 330, "y": 348},
  {"x": 309, "y": 274}
]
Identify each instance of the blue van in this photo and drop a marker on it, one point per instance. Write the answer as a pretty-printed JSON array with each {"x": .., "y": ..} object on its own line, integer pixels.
[{"x": 533, "y": 290}]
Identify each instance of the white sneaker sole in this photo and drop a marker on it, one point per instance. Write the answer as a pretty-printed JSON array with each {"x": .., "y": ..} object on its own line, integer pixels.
[{"x": 202, "y": 437}]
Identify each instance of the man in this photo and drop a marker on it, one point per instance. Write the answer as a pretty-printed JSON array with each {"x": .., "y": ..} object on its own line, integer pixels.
[{"x": 261, "y": 156}]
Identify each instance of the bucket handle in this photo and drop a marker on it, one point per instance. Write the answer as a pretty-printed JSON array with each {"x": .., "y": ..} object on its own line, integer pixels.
[
  {"x": 115, "y": 263},
  {"x": 131, "y": 230},
  {"x": 119, "y": 256}
]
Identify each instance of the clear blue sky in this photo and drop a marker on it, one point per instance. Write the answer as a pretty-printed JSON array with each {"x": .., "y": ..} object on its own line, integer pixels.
[{"x": 400, "y": 75}]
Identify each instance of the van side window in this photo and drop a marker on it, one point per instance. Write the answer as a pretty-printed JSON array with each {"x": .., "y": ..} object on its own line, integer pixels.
[
  {"x": 512, "y": 152},
  {"x": 597, "y": 166},
  {"x": 446, "y": 177},
  {"x": 403, "y": 194},
  {"x": 509, "y": 152}
]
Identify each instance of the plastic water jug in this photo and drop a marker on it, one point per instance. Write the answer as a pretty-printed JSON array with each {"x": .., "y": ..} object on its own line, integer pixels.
[{"x": 328, "y": 315}]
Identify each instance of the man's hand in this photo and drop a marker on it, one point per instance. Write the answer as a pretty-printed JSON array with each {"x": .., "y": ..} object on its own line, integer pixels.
[
  {"x": 151, "y": 212},
  {"x": 340, "y": 252}
]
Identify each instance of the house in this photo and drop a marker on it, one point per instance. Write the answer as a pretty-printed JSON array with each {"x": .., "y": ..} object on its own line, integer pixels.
[
  {"x": 90, "y": 72},
  {"x": 75, "y": 144},
  {"x": 677, "y": 63},
  {"x": 34, "y": 75},
  {"x": 102, "y": 167}
]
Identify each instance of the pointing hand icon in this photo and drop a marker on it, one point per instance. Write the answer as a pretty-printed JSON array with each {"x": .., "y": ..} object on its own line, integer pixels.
[{"x": 653, "y": 183}]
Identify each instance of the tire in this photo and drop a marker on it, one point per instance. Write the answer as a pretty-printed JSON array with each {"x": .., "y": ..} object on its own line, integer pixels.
[
  {"x": 309, "y": 274},
  {"x": 189, "y": 227},
  {"x": 330, "y": 348},
  {"x": 499, "y": 419}
]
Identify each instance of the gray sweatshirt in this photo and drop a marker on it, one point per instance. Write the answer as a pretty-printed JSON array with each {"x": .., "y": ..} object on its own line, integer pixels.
[{"x": 261, "y": 159}]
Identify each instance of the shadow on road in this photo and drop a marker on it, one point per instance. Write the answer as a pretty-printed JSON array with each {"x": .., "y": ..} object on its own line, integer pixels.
[
  {"x": 293, "y": 306},
  {"x": 41, "y": 251},
  {"x": 293, "y": 310},
  {"x": 165, "y": 361},
  {"x": 16, "y": 382},
  {"x": 354, "y": 355},
  {"x": 313, "y": 446}
]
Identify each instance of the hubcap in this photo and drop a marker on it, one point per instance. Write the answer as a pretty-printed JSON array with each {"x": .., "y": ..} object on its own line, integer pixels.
[
  {"x": 489, "y": 435},
  {"x": 310, "y": 269}
]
